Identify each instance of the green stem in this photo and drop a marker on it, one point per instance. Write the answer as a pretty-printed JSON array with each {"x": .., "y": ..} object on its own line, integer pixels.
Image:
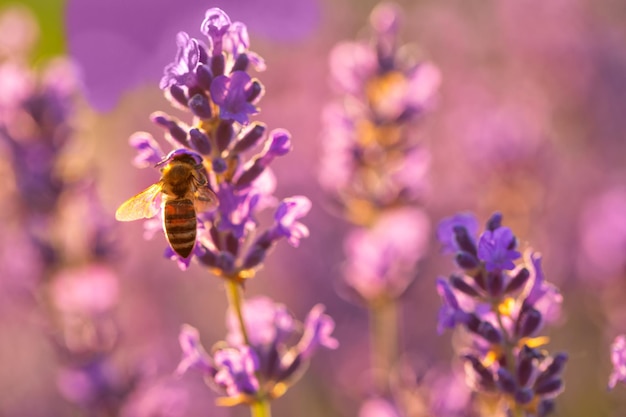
[
  {"x": 233, "y": 292},
  {"x": 260, "y": 408},
  {"x": 384, "y": 341}
]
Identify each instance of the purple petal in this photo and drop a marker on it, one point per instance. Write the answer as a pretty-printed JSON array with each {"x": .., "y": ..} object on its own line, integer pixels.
[
  {"x": 235, "y": 370},
  {"x": 317, "y": 332},
  {"x": 194, "y": 355},
  {"x": 149, "y": 151}
]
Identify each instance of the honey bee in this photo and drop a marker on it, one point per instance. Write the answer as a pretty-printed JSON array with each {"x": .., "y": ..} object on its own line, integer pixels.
[{"x": 184, "y": 193}]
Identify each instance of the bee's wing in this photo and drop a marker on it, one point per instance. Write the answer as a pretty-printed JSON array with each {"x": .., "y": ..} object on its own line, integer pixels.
[
  {"x": 140, "y": 206},
  {"x": 204, "y": 199}
]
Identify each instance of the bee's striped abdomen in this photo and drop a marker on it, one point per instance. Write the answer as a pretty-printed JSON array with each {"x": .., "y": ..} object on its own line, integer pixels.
[{"x": 179, "y": 222}]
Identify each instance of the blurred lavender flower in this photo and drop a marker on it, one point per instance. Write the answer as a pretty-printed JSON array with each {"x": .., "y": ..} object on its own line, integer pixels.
[
  {"x": 210, "y": 79},
  {"x": 618, "y": 358},
  {"x": 372, "y": 159},
  {"x": 381, "y": 261},
  {"x": 260, "y": 364},
  {"x": 503, "y": 308},
  {"x": 375, "y": 170}
]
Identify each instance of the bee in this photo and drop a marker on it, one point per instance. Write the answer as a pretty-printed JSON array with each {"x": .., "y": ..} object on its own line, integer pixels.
[{"x": 184, "y": 192}]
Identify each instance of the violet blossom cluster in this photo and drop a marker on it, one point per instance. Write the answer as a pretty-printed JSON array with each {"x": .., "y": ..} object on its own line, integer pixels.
[
  {"x": 265, "y": 362},
  {"x": 501, "y": 303},
  {"x": 209, "y": 78},
  {"x": 373, "y": 165}
]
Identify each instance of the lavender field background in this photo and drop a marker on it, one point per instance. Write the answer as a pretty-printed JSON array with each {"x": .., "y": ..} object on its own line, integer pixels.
[{"x": 528, "y": 120}]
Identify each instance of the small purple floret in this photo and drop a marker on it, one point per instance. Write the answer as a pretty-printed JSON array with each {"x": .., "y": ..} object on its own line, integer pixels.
[
  {"x": 230, "y": 94},
  {"x": 317, "y": 332},
  {"x": 494, "y": 248},
  {"x": 182, "y": 71}
]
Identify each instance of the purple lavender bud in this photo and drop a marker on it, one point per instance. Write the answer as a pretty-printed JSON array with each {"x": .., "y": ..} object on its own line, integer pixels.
[
  {"x": 224, "y": 134},
  {"x": 494, "y": 249},
  {"x": 199, "y": 141},
  {"x": 232, "y": 244},
  {"x": 179, "y": 95},
  {"x": 317, "y": 332},
  {"x": 549, "y": 387},
  {"x": 463, "y": 240},
  {"x": 200, "y": 106},
  {"x": 254, "y": 91},
  {"x": 506, "y": 382},
  {"x": 241, "y": 63},
  {"x": 194, "y": 355},
  {"x": 218, "y": 64},
  {"x": 250, "y": 137},
  {"x": 250, "y": 174},
  {"x": 171, "y": 125},
  {"x": 204, "y": 77},
  {"x": 219, "y": 165},
  {"x": 278, "y": 144},
  {"x": 524, "y": 395},
  {"x": 554, "y": 369},
  {"x": 495, "y": 283},
  {"x": 236, "y": 370},
  {"x": 445, "y": 231},
  {"x": 254, "y": 257},
  {"x": 460, "y": 284},
  {"x": 494, "y": 222},
  {"x": 518, "y": 281},
  {"x": 488, "y": 332},
  {"x": 466, "y": 260},
  {"x": 450, "y": 313},
  {"x": 215, "y": 237},
  {"x": 149, "y": 151},
  {"x": 525, "y": 366},
  {"x": 528, "y": 322},
  {"x": 618, "y": 359}
]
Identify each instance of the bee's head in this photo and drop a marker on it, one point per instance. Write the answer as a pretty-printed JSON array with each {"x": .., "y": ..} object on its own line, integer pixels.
[{"x": 182, "y": 155}]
